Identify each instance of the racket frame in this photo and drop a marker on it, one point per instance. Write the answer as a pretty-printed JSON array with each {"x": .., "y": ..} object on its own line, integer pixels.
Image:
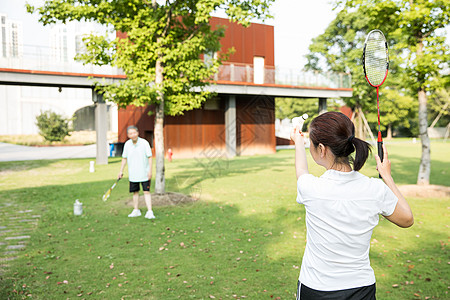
[
  {"x": 108, "y": 192},
  {"x": 380, "y": 139}
]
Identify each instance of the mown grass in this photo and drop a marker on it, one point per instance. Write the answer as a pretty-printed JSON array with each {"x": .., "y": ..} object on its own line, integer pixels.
[{"x": 245, "y": 237}]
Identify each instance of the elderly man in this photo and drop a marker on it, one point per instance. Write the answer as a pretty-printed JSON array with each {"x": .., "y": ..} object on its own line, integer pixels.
[{"x": 138, "y": 154}]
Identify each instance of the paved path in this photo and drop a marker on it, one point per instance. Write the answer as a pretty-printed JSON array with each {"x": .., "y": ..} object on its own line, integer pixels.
[
  {"x": 15, "y": 226},
  {"x": 10, "y": 152}
]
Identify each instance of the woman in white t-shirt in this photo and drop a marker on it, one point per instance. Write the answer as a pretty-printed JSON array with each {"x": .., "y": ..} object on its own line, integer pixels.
[{"x": 342, "y": 208}]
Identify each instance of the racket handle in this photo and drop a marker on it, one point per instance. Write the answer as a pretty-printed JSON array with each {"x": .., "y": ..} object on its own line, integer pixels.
[{"x": 380, "y": 153}]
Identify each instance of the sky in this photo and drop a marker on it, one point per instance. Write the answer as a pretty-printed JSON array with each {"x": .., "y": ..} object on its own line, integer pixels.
[{"x": 296, "y": 22}]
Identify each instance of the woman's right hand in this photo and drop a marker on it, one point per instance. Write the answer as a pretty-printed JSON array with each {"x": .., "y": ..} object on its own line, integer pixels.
[
  {"x": 384, "y": 167},
  {"x": 120, "y": 175},
  {"x": 297, "y": 136}
]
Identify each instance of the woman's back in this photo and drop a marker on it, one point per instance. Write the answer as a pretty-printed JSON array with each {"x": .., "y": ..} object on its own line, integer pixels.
[{"x": 342, "y": 209}]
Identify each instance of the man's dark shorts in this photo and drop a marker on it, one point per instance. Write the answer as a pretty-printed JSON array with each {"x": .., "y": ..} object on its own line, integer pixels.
[{"x": 134, "y": 186}]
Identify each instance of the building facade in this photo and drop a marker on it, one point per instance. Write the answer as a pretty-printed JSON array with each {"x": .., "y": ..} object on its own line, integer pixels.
[{"x": 231, "y": 124}]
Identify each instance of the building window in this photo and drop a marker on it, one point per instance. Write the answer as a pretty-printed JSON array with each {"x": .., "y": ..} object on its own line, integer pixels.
[{"x": 258, "y": 70}]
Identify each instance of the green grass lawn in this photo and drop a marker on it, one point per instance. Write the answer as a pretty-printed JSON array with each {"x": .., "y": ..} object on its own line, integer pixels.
[{"x": 244, "y": 238}]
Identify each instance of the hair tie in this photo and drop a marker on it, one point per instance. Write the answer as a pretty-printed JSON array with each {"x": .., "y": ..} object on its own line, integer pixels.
[{"x": 350, "y": 139}]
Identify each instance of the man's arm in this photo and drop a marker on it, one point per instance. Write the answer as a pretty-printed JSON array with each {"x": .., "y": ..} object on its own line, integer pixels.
[{"x": 124, "y": 162}]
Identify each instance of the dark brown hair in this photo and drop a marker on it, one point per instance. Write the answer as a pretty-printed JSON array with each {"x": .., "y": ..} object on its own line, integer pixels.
[{"x": 336, "y": 130}]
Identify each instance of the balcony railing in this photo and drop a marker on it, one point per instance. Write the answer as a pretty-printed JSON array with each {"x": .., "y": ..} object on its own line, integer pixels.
[
  {"x": 40, "y": 58},
  {"x": 244, "y": 73}
]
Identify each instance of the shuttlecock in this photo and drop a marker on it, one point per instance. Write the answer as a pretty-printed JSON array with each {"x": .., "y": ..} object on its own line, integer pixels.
[{"x": 298, "y": 121}]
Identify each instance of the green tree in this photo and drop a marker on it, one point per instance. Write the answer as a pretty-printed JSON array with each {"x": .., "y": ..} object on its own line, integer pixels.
[
  {"x": 340, "y": 47},
  {"x": 417, "y": 49},
  {"x": 426, "y": 55},
  {"x": 440, "y": 107},
  {"x": 52, "y": 126},
  {"x": 398, "y": 108},
  {"x": 161, "y": 52}
]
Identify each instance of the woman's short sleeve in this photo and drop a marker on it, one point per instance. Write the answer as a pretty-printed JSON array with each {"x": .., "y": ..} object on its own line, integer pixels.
[
  {"x": 304, "y": 185},
  {"x": 389, "y": 201}
]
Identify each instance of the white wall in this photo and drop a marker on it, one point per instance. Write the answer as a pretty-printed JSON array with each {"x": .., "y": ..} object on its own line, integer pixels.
[{"x": 19, "y": 105}]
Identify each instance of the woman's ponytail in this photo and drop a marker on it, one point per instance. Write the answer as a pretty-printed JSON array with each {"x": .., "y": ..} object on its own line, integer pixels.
[{"x": 362, "y": 152}]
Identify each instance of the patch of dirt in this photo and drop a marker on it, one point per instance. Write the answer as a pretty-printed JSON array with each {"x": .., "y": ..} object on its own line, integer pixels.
[
  {"x": 425, "y": 191},
  {"x": 167, "y": 199}
]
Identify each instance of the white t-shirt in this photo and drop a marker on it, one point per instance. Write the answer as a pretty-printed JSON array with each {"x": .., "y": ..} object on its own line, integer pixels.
[
  {"x": 342, "y": 208},
  {"x": 137, "y": 159}
]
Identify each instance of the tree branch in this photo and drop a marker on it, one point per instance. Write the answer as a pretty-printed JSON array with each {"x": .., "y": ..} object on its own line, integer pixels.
[{"x": 169, "y": 18}]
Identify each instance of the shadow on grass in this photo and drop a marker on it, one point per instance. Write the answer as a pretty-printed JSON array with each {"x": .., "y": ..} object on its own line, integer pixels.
[
  {"x": 189, "y": 175},
  {"x": 14, "y": 166},
  {"x": 195, "y": 250}
]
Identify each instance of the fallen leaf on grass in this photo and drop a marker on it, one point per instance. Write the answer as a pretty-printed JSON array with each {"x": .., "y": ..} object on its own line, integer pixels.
[
  {"x": 395, "y": 285},
  {"x": 111, "y": 266}
]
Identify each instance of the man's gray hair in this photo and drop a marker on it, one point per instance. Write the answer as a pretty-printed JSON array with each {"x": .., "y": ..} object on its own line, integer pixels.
[{"x": 132, "y": 127}]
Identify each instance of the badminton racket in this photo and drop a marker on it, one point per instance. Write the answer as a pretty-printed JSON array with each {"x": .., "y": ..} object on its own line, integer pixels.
[{"x": 376, "y": 66}]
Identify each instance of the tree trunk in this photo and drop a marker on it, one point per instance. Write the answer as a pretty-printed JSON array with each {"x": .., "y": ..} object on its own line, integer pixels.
[
  {"x": 160, "y": 181},
  {"x": 389, "y": 132},
  {"x": 359, "y": 130},
  {"x": 425, "y": 162}
]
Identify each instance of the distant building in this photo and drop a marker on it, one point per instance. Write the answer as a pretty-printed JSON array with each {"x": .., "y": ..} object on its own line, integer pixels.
[
  {"x": 11, "y": 37},
  {"x": 66, "y": 40},
  {"x": 240, "y": 120},
  {"x": 20, "y": 104}
]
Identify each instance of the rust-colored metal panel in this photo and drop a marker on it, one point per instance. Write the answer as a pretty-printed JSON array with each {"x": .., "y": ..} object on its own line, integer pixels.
[
  {"x": 255, "y": 40},
  {"x": 187, "y": 135},
  {"x": 255, "y": 125},
  {"x": 270, "y": 50},
  {"x": 137, "y": 116}
]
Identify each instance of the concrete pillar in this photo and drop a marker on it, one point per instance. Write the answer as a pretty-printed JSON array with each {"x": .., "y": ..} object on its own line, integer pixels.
[
  {"x": 230, "y": 126},
  {"x": 101, "y": 128},
  {"x": 322, "y": 105}
]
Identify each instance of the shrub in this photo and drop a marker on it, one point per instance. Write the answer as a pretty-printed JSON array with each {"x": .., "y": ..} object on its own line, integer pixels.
[{"x": 52, "y": 126}]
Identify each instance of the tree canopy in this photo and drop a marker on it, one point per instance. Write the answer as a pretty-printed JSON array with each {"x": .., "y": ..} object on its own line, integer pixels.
[
  {"x": 160, "y": 50},
  {"x": 177, "y": 33},
  {"x": 418, "y": 56}
]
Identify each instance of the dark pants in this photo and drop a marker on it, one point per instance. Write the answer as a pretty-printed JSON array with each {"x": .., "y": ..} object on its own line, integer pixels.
[{"x": 359, "y": 293}]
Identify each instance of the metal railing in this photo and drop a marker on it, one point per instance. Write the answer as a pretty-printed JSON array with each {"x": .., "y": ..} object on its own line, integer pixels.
[
  {"x": 41, "y": 58},
  {"x": 235, "y": 72}
]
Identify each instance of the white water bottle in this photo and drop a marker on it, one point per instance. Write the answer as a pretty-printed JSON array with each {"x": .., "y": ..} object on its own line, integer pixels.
[
  {"x": 77, "y": 208},
  {"x": 92, "y": 166}
]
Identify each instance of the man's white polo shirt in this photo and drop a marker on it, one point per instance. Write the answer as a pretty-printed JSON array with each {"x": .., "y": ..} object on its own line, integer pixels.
[
  {"x": 342, "y": 208},
  {"x": 137, "y": 159}
]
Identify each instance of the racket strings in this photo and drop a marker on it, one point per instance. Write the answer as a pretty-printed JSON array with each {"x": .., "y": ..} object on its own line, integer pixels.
[{"x": 376, "y": 59}]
